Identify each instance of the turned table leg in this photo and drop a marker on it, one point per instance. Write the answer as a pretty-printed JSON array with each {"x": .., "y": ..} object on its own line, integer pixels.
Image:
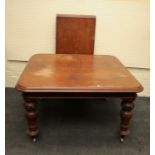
[
  {"x": 31, "y": 117},
  {"x": 126, "y": 114}
]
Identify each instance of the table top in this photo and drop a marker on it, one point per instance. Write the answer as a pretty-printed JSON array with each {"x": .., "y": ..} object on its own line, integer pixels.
[{"x": 76, "y": 73}]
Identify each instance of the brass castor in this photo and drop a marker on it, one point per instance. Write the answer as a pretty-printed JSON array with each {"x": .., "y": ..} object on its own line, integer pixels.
[
  {"x": 34, "y": 140},
  {"x": 122, "y": 140}
]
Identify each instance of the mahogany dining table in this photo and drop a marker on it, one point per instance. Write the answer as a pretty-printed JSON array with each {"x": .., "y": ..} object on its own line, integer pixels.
[{"x": 77, "y": 76}]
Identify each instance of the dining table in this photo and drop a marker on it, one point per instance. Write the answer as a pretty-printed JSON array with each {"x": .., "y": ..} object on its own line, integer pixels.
[{"x": 76, "y": 76}]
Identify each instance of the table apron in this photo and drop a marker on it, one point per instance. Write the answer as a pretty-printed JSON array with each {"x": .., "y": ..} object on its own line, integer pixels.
[{"x": 73, "y": 95}]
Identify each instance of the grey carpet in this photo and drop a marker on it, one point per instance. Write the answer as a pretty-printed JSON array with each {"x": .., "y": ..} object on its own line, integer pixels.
[{"x": 76, "y": 127}]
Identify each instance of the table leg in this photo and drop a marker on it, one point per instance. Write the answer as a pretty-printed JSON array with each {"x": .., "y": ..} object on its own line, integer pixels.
[
  {"x": 31, "y": 117},
  {"x": 126, "y": 114}
]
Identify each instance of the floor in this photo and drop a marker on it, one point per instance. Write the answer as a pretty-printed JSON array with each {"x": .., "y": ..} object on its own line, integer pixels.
[{"x": 76, "y": 127}]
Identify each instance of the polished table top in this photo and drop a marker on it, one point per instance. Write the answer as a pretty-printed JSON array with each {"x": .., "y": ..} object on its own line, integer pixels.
[{"x": 76, "y": 73}]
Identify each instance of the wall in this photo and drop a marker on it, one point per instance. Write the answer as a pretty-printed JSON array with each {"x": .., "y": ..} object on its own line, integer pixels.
[{"x": 122, "y": 29}]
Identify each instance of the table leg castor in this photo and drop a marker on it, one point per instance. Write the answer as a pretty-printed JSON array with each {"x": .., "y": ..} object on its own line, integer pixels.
[
  {"x": 122, "y": 139},
  {"x": 31, "y": 117},
  {"x": 126, "y": 114},
  {"x": 34, "y": 140}
]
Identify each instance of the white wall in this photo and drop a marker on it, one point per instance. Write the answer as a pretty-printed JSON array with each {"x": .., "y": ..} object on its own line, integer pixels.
[{"x": 122, "y": 27}]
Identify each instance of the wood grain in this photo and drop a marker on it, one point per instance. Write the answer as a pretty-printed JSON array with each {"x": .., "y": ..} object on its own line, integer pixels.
[{"x": 75, "y": 34}]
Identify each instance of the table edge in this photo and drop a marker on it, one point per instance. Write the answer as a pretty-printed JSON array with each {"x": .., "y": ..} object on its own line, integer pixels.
[{"x": 74, "y": 89}]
